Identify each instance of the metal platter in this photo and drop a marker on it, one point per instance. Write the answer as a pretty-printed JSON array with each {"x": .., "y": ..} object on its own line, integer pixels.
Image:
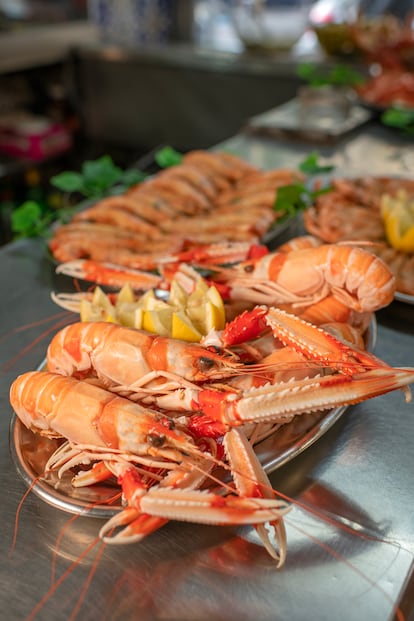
[
  {"x": 31, "y": 451},
  {"x": 404, "y": 297}
]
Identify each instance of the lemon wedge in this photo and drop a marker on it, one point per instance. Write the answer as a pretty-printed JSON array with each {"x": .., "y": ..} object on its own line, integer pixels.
[
  {"x": 146, "y": 299},
  {"x": 158, "y": 321},
  {"x": 184, "y": 316},
  {"x": 183, "y": 328},
  {"x": 94, "y": 312},
  {"x": 101, "y": 299},
  {"x": 213, "y": 318},
  {"x": 398, "y": 216},
  {"x": 199, "y": 292},
  {"x": 129, "y": 314},
  {"x": 219, "y": 313},
  {"x": 125, "y": 296},
  {"x": 178, "y": 296}
]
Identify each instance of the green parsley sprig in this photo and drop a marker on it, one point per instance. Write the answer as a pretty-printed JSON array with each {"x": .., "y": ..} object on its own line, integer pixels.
[
  {"x": 96, "y": 179},
  {"x": 400, "y": 118},
  {"x": 294, "y": 198},
  {"x": 167, "y": 157},
  {"x": 311, "y": 166},
  {"x": 30, "y": 220}
]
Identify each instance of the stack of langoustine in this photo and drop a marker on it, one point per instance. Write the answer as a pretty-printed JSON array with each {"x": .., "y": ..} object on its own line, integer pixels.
[
  {"x": 352, "y": 212},
  {"x": 208, "y": 197}
]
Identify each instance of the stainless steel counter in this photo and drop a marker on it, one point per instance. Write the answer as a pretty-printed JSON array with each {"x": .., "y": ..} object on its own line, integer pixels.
[{"x": 350, "y": 557}]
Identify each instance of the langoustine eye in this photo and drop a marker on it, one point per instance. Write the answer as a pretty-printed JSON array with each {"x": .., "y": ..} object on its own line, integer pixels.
[
  {"x": 206, "y": 364},
  {"x": 156, "y": 440},
  {"x": 248, "y": 268}
]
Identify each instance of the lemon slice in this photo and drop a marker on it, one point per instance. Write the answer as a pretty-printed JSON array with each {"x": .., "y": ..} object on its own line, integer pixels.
[
  {"x": 178, "y": 297},
  {"x": 183, "y": 328},
  {"x": 398, "y": 216},
  {"x": 197, "y": 316},
  {"x": 207, "y": 317},
  {"x": 129, "y": 314},
  {"x": 94, "y": 312},
  {"x": 206, "y": 310},
  {"x": 100, "y": 298},
  {"x": 197, "y": 298},
  {"x": 138, "y": 319},
  {"x": 198, "y": 295},
  {"x": 158, "y": 321},
  {"x": 125, "y": 296},
  {"x": 213, "y": 318},
  {"x": 219, "y": 311},
  {"x": 145, "y": 300},
  {"x": 154, "y": 304}
]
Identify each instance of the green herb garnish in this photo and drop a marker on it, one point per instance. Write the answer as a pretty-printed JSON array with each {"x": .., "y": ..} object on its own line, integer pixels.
[
  {"x": 30, "y": 220},
  {"x": 310, "y": 165},
  {"x": 295, "y": 198},
  {"x": 401, "y": 118},
  {"x": 167, "y": 156},
  {"x": 339, "y": 75},
  {"x": 98, "y": 178},
  {"x": 292, "y": 199}
]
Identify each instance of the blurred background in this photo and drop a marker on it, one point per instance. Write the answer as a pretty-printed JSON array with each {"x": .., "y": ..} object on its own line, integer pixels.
[{"x": 79, "y": 78}]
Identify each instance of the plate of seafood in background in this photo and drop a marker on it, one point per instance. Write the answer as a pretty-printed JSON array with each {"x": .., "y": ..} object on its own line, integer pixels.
[
  {"x": 390, "y": 88},
  {"x": 376, "y": 211},
  {"x": 275, "y": 446},
  {"x": 206, "y": 198}
]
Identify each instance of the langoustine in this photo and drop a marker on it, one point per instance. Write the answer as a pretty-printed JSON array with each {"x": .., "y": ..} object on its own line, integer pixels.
[{"x": 321, "y": 282}]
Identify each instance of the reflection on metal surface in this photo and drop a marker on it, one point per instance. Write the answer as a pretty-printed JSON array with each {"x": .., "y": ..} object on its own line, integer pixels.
[
  {"x": 31, "y": 451},
  {"x": 404, "y": 297}
]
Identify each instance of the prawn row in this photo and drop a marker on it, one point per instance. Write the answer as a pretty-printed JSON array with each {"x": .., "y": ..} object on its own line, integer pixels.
[{"x": 208, "y": 197}]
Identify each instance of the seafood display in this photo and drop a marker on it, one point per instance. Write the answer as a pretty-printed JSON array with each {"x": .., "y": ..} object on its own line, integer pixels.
[
  {"x": 173, "y": 426},
  {"x": 352, "y": 212},
  {"x": 160, "y": 417},
  {"x": 209, "y": 197},
  {"x": 386, "y": 40},
  {"x": 390, "y": 88}
]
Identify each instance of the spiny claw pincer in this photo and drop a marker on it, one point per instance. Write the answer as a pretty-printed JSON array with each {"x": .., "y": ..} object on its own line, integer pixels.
[{"x": 282, "y": 401}]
